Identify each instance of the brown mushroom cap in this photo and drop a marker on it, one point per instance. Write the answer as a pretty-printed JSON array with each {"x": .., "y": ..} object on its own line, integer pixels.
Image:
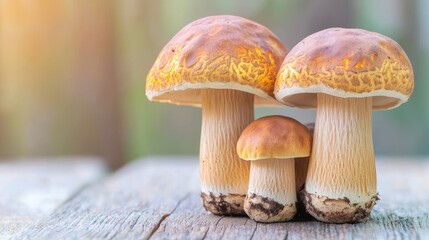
[
  {"x": 221, "y": 52},
  {"x": 274, "y": 137},
  {"x": 345, "y": 63}
]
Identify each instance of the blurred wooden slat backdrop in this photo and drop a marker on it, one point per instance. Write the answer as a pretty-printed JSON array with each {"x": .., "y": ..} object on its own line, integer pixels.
[{"x": 59, "y": 91}]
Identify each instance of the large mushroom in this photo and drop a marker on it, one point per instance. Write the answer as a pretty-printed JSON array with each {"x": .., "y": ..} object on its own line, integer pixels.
[
  {"x": 272, "y": 144},
  {"x": 345, "y": 73},
  {"x": 225, "y": 64}
]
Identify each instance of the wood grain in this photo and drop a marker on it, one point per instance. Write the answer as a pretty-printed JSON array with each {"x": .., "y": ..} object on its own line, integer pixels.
[
  {"x": 130, "y": 204},
  {"x": 31, "y": 189},
  {"x": 159, "y": 199}
]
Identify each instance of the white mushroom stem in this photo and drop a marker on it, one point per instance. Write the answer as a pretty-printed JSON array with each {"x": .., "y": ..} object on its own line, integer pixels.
[
  {"x": 342, "y": 162},
  {"x": 225, "y": 114},
  {"x": 273, "y": 179},
  {"x": 271, "y": 196}
]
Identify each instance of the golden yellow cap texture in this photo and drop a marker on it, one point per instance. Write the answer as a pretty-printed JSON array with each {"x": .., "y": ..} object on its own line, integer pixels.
[
  {"x": 274, "y": 137},
  {"x": 345, "y": 63},
  {"x": 220, "y": 52}
]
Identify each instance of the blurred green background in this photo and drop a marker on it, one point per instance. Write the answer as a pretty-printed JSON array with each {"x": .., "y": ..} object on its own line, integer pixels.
[{"x": 72, "y": 73}]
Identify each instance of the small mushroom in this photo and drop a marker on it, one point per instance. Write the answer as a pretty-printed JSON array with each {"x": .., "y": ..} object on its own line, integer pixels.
[
  {"x": 271, "y": 144},
  {"x": 301, "y": 164},
  {"x": 345, "y": 74},
  {"x": 226, "y": 65},
  {"x": 301, "y": 168}
]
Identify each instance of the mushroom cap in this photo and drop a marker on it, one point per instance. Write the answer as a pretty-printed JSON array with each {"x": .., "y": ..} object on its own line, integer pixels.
[
  {"x": 274, "y": 137},
  {"x": 345, "y": 63},
  {"x": 219, "y": 52}
]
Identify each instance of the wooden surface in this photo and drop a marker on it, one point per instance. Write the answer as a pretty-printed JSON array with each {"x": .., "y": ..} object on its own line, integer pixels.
[
  {"x": 32, "y": 189},
  {"x": 159, "y": 199}
]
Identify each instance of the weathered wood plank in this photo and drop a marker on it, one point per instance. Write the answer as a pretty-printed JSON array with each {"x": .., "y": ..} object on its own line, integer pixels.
[
  {"x": 31, "y": 189},
  {"x": 159, "y": 199},
  {"x": 402, "y": 213},
  {"x": 130, "y": 204}
]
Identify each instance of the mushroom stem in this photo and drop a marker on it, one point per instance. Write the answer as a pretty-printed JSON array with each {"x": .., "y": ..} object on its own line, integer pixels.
[
  {"x": 301, "y": 167},
  {"x": 271, "y": 196},
  {"x": 224, "y": 176},
  {"x": 341, "y": 178},
  {"x": 301, "y": 164}
]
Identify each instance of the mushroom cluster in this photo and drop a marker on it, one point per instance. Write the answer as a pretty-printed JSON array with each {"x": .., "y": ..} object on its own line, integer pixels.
[{"x": 270, "y": 167}]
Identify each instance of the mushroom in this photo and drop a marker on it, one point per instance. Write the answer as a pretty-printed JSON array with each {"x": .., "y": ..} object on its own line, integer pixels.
[
  {"x": 345, "y": 73},
  {"x": 301, "y": 164},
  {"x": 271, "y": 144},
  {"x": 301, "y": 168},
  {"x": 225, "y": 64}
]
